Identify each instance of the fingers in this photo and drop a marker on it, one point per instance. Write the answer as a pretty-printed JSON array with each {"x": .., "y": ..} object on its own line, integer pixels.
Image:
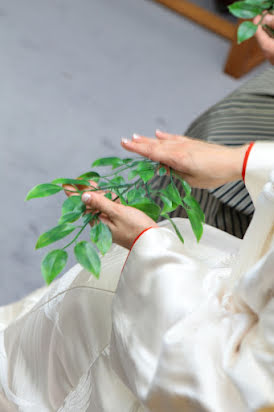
[
  {"x": 167, "y": 136},
  {"x": 265, "y": 41},
  {"x": 269, "y": 20},
  {"x": 257, "y": 19},
  {"x": 145, "y": 147},
  {"x": 137, "y": 138},
  {"x": 159, "y": 150},
  {"x": 71, "y": 191},
  {"x": 98, "y": 202}
]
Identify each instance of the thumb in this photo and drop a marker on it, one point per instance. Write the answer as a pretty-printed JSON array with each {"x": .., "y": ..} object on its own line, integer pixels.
[
  {"x": 101, "y": 203},
  {"x": 269, "y": 20}
]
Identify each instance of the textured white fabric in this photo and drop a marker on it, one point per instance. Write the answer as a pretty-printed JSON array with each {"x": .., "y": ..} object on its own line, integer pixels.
[
  {"x": 258, "y": 169},
  {"x": 197, "y": 336},
  {"x": 190, "y": 327}
]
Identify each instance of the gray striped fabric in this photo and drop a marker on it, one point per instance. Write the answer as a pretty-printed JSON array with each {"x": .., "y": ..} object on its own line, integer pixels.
[{"x": 245, "y": 115}]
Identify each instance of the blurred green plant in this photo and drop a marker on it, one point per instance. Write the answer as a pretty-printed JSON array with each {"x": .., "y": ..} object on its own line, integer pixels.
[
  {"x": 135, "y": 190},
  {"x": 248, "y": 9}
]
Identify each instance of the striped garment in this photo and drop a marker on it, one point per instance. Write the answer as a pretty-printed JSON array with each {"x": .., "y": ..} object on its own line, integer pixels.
[{"x": 245, "y": 115}]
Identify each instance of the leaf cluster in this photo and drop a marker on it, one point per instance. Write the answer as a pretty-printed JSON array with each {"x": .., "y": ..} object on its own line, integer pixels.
[
  {"x": 130, "y": 180},
  {"x": 248, "y": 9}
]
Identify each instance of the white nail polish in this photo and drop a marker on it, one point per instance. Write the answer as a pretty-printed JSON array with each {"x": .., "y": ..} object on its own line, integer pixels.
[
  {"x": 86, "y": 197},
  {"x": 136, "y": 137},
  {"x": 124, "y": 140}
]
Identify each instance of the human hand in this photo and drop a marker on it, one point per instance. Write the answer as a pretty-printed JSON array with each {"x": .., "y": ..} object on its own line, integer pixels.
[
  {"x": 201, "y": 164},
  {"x": 124, "y": 222},
  {"x": 265, "y": 41}
]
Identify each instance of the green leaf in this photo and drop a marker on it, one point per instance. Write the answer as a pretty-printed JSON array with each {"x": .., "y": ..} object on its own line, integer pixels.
[
  {"x": 169, "y": 206},
  {"x": 193, "y": 204},
  {"x": 135, "y": 195},
  {"x": 148, "y": 207},
  {"x": 196, "y": 223},
  {"x": 184, "y": 184},
  {"x": 127, "y": 160},
  {"x": 57, "y": 233},
  {"x": 172, "y": 193},
  {"x": 246, "y": 30},
  {"x": 90, "y": 176},
  {"x": 73, "y": 204},
  {"x": 134, "y": 163},
  {"x": 108, "y": 195},
  {"x": 118, "y": 193},
  {"x": 87, "y": 218},
  {"x": 162, "y": 171},
  {"x": 132, "y": 174},
  {"x": 94, "y": 233},
  {"x": 167, "y": 202},
  {"x": 175, "y": 228},
  {"x": 147, "y": 175},
  {"x": 63, "y": 181},
  {"x": 108, "y": 161},
  {"x": 69, "y": 217},
  {"x": 53, "y": 264},
  {"x": 87, "y": 256},
  {"x": 186, "y": 187},
  {"x": 118, "y": 180},
  {"x": 103, "y": 184},
  {"x": 101, "y": 236},
  {"x": 43, "y": 190},
  {"x": 263, "y": 4},
  {"x": 144, "y": 165},
  {"x": 123, "y": 200},
  {"x": 144, "y": 169},
  {"x": 244, "y": 10}
]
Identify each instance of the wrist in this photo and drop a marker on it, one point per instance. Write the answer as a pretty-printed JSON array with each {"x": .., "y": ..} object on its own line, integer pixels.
[
  {"x": 141, "y": 233},
  {"x": 238, "y": 158}
]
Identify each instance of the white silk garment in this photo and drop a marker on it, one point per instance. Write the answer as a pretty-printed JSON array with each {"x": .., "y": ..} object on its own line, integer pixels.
[{"x": 188, "y": 328}]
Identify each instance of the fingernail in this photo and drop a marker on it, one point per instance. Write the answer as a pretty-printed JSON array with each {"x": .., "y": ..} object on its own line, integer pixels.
[
  {"x": 158, "y": 131},
  {"x": 124, "y": 140},
  {"x": 86, "y": 197},
  {"x": 136, "y": 137}
]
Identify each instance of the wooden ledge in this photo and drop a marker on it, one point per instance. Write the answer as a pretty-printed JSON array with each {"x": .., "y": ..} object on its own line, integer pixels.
[{"x": 205, "y": 18}]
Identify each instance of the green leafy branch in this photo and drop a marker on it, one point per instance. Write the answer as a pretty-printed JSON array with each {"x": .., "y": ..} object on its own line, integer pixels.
[
  {"x": 130, "y": 180},
  {"x": 248, "y": 9}
]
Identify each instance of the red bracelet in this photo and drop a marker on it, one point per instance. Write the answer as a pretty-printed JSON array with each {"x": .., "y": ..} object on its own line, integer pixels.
[{"x": 246, "y": 159}]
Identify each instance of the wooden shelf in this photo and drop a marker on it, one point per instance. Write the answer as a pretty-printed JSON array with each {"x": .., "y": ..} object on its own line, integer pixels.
[
  {"x": 203, "y": 17},
  {"x": 242, "y": 58}
]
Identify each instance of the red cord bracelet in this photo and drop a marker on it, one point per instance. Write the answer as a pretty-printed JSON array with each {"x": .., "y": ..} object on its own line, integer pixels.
[{"x": 246, "y": 159}]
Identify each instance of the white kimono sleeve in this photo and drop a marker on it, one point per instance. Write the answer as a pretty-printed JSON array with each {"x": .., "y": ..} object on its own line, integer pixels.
[
  {"x": 259, "y": 166},
  {"x": 181, "y": 341}
]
